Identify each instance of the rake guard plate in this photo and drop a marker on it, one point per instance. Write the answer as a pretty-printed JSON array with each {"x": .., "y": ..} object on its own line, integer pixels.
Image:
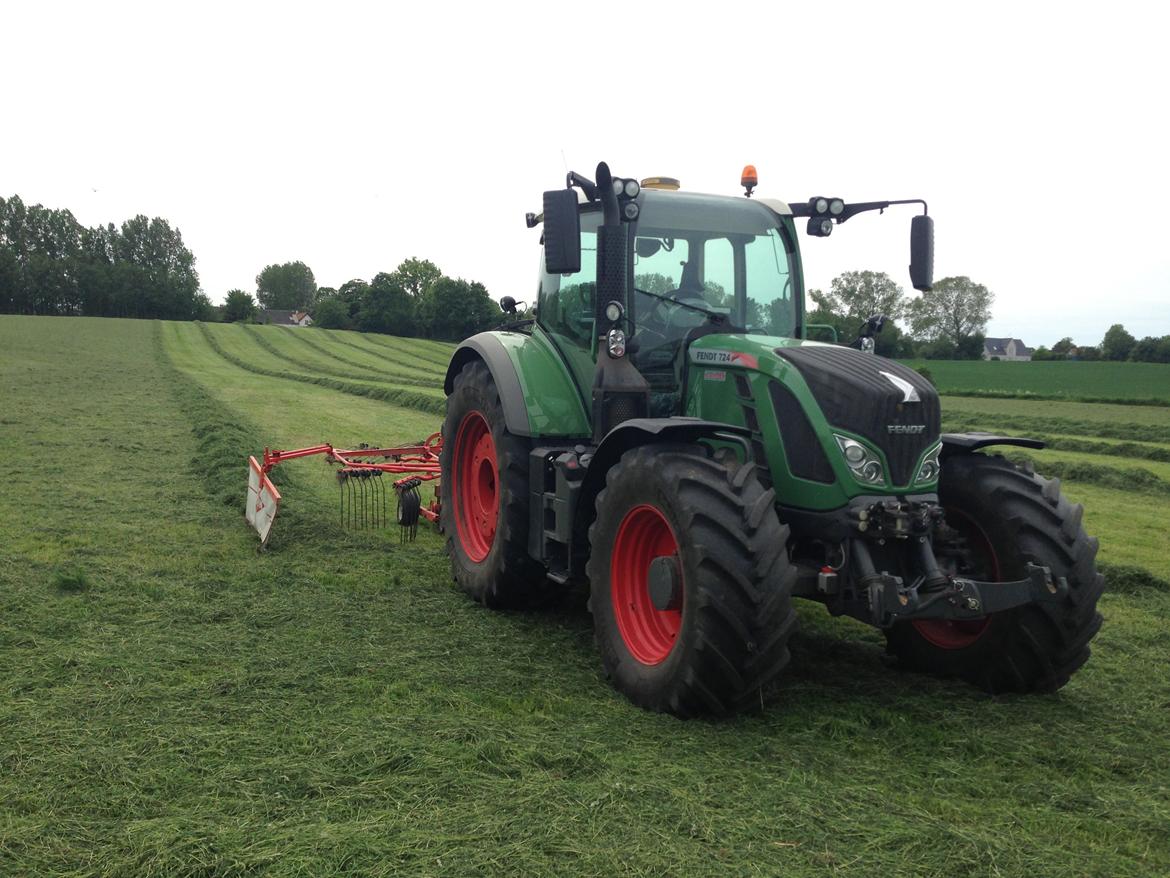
[{"x": 263, "y": 500}]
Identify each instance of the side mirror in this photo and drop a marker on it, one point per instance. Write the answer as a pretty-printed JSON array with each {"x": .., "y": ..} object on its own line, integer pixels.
[
  {"x": 562, "y": 232},
  {"x": 922, "y": 252}
]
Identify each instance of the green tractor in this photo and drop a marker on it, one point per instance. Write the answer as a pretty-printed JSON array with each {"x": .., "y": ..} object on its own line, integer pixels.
[{"x": 665, "y": 431}]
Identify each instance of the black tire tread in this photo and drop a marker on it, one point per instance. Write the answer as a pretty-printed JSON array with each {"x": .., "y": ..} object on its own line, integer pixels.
[
  {"x": 735, "y": 556},
  {"x": 1038, "y": 647},
  {"x": 509, "y": 577}
]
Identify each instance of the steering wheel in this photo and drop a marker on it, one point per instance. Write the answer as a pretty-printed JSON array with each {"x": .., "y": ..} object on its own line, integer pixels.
[{"x": 671, "y": 314}]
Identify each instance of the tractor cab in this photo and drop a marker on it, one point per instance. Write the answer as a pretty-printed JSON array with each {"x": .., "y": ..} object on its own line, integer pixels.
[{"x": 695, "y": 264}]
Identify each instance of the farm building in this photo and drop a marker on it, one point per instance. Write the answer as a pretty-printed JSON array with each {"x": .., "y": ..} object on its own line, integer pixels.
[
  {"x": 287, "y": 318},
  {"x": 1006, "y": 349}
]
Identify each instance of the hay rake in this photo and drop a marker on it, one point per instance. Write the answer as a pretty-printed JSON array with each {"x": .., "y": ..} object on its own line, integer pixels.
[{"x": 363, "y": 494}]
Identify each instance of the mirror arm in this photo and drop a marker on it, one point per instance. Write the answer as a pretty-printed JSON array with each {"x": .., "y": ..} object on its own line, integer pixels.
[
  {"x": 803, "y": 209},
  {"x": 585, "y": 185}
]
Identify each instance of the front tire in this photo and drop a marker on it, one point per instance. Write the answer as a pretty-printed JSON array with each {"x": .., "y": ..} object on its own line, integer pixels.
[
  {"x": 715, "y": 630},
  {"x": 485, "y": 496},
  {"x": 1005, "y": 517}
]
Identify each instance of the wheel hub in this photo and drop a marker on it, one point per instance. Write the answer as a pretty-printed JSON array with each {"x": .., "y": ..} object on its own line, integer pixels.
[
  {"x": 665, "y": 583},
  {"x": 476, "y": 494},
  {"x": 646, "y": 584}
]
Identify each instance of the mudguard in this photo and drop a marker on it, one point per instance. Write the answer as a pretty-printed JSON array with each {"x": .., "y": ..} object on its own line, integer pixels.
[
  {"x": 537, "y": 393},
  {"x": 965, "y": 443}
]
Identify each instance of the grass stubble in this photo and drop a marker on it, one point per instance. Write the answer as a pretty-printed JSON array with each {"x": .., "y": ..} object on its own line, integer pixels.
[{"x": 333, "y": 705}]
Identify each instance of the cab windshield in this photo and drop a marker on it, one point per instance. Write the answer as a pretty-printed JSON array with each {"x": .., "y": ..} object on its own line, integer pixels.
[{"x": 730, "y": 257}]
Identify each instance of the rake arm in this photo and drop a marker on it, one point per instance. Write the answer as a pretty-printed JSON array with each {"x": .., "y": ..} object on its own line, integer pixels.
[{"x": 362, "y": 490}]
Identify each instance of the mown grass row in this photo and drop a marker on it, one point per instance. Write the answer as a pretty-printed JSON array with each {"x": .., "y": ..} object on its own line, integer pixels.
[
  {"x": 438, "y": 353},
  {"x": 364, "y": 374},
  {"x": 405, "y": 367},
  {"x": 399, "y": 396},
  {"x": 403, "y": 354},
  {"x": 1047, "y": 425},
  {"x": 219, "y": 434},
  {"x": 1130, "y": 578},
  {"x": 1122, "y": 478}
]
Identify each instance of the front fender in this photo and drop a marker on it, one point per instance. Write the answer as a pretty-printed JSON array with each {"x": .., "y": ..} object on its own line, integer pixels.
[{"x": 966, "y": 443}]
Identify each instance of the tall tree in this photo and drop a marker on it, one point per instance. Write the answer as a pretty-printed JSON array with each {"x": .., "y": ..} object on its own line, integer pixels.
[
  {"x": 52, "y": 265},
  {"x": 331, "y": 313},
  {"x": 1117, "y": 343},
  {"x": 455, "y": 309},
  {"x": 353, "y": 293},
  {"x": 238, "y": 305},
  {"x": 858, "y": 295},
  {"x": 415, "y": 276},
  {"x": 956, "y": 309},
  {"x": 387, "y": 307},
  {"x": 287, "y": 286}
]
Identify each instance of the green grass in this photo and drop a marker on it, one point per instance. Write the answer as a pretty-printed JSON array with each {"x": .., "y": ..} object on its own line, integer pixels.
[
  {"x": 1144, "y": 383},
  {"x": 174, "y": 703},
  {"x": 427, "y": 399},
  {"x": 1088, "y": 416}
]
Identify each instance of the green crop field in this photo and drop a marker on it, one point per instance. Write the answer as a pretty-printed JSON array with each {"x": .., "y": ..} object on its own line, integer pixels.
[
  {"x": 174, "y": 703},
  {"x": 1147, "y": 383}
]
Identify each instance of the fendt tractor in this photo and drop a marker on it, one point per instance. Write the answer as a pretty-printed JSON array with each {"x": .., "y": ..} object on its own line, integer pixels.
[{"x": 665, "y": 430}]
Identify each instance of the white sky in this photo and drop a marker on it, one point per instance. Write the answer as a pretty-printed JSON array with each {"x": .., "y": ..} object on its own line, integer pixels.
[{"x": 353, "y": 136}]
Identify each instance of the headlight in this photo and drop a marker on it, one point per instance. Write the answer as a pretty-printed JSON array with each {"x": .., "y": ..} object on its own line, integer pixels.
[
  {"x": 930, "y": 468},
  {"x": 863, "y": 463}
]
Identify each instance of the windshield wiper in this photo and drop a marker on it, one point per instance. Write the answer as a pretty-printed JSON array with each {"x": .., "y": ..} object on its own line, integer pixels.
[{"x": 718, "y": 316}]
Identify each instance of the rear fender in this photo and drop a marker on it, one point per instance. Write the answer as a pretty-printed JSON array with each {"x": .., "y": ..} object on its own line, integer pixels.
[{"x": 536, "y": 391}]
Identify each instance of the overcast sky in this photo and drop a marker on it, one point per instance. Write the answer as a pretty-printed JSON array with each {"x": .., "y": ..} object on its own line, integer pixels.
[{"x": 351, "y": 137}]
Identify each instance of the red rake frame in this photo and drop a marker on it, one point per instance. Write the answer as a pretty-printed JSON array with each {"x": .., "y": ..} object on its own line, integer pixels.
[{"x": 416, "y": 463}]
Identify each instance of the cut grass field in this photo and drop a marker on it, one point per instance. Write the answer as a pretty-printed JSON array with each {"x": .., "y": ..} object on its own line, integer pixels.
[
  {"x": 1144, "y": 383},
  {"x": 174, "y": 703}
]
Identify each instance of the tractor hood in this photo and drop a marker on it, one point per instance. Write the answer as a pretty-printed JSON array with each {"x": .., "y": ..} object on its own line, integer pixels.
[{"x": 890, "y": 406}]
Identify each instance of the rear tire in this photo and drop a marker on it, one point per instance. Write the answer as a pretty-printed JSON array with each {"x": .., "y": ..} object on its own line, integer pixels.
[
  {"x": 729, "y": 637},
  {"x": 1008, "y": 516},
  {"x": 485, "y": 496}
]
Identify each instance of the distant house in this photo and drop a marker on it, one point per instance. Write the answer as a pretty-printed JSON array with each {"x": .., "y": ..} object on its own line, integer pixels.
[
  {"x": 1006, "y": 349},
  {"x": 287, "y": 318}
]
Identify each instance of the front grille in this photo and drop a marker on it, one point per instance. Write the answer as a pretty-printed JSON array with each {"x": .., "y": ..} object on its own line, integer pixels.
[
  {"x": 855, "y": 396},
  {"x": 803, "y": 451}
]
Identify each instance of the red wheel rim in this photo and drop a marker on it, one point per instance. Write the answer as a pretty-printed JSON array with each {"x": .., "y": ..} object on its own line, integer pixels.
[
  {"x": 961, "y": 633},
  {"x": 476, "y": 494},
  {"x": 648, "y": 632}
]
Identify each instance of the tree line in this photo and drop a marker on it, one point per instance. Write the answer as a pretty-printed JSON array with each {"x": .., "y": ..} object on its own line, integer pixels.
[
  {"x": 415, "y": 299},
  {"x": 949, "y": 322},
  {"x": 1118, "y": 345},
  {"x": 51, "y": 264}
]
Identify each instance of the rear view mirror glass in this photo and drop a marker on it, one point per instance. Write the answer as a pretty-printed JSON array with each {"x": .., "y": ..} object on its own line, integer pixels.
[
  {"x": 922, "y": 252},
  {"x": 562, "y": 232}
]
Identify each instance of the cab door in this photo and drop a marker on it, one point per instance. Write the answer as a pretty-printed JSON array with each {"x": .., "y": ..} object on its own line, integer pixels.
[{"x": 565, "y": 307}]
